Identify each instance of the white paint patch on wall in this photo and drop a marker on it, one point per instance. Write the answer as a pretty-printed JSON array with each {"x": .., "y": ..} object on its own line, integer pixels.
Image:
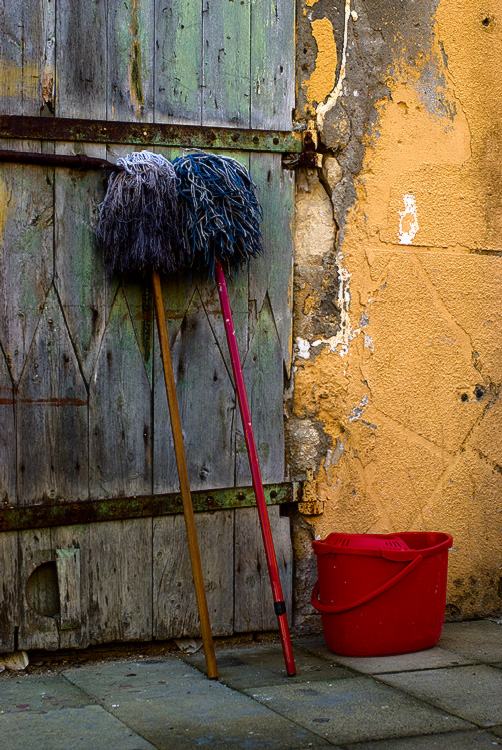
[
  {"x": 302, "y": 348},
  {"x": 408, "y": 220},
  {"x": 325, "y": 107}
]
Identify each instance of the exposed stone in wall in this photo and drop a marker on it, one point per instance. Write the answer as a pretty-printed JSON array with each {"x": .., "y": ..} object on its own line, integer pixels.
[{"x": 395, "y": 410}]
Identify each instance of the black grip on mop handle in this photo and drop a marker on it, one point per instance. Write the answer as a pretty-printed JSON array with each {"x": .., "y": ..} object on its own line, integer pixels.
[{"x": 280, "y": 608}]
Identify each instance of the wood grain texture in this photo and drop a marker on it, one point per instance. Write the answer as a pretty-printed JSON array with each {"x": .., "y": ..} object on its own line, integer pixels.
[
  {"x": 120, "y": 412},
  {"x": 120, "y": 581},
  {"x": 80, "y": 277},
  {"x": 71, "y": 547},
  {"x": 272, "y": 64},
  {"x": 9, "y": 590},
  {"x": 8, "y": 489},
  {"x": 273, "y": 274},
  {"x": 226, "y": 29},
  {"x": 26, "y": 257},
  {"x": 36, "y": 630},
  {"x": 206, "y": 403},
  {"x": 254, "y": 604},
  {"x": 130, "y": 54},
  {"x": 175, "y": 608},
  {"x": 265, "y": 396},
  {"x": 52, "y": 434},
  {"x": 81, "y": 76},
  {"x": 178, "y": 62}
]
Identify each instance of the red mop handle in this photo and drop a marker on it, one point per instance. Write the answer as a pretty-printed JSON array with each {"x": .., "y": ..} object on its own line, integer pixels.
[{"x": 279, "y": 605}]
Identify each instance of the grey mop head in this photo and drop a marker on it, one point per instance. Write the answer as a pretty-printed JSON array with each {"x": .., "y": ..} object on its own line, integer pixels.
[
  {"x": 220, "y": 213},
  {"x": 138, "y": 219}
]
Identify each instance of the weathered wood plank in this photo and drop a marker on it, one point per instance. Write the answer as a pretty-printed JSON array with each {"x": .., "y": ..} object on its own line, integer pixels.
[
  {"x": 52, "y": 436},
  {"x": 8, "y": 491},
  {"x": 206, "y": 403},
  {"x": 137, "y": 293},
  {"x": 178, "y": 62},
  {"x": 9, "y": 590},
  {"x": 81, "y": 71},
  {"x": 130, "y": 60},
  {"x": 254, "y": 604},
  {"x": 264, "y": 386},
  {"x": 39, "y": 591},
  {"x": 226, "y": 63},
  {"x": 272, "y": 63},
  {"x": 80, "y": 277},
  {"x": 120, "y": 412},
  {"x": 26, "y": 218},
  {"x": 11, "y": 58},
  {"x": 120, "y": 581},
  {"x": 273, "y": 274},
  {"x": 174, "y": 605},
  {"x": 71, "y": 547}
]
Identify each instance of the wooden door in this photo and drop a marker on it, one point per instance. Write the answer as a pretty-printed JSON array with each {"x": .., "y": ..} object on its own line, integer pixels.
[{"x": 82, "y": 403}]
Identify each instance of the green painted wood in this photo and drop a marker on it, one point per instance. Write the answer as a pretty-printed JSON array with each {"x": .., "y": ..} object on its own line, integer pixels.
[
  {"x": 81, "y": 57},
  {"x": 26, "y": 257},
  {"x": 207, "y": 409},
  {"x": 8, "y": 492},
  {"x": 10, "y": 583},
  {"x": 130, "y": 57},
  {"x": 52, "y": 427},
  {"x": 273, "y": 274},
  {"x": 178, "y": 62},
  {"x": 174, "y": 603},
  {"x": 226, "y": 29},
  {"x": 80, "y": 278},
  {"x": 120, "y": 430},
  {"x": 272, "y": 63},
  {"x": 265, "y": 395}
]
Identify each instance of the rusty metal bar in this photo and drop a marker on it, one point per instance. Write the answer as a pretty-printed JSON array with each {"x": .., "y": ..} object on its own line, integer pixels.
[
  {"x": 145, "y": 506},
  {"x": 147, "y": 134},
  {"x": 79, "y": 161}
]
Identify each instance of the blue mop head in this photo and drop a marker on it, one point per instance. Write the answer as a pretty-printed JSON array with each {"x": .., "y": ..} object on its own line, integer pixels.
[
  {"x": 220, "y": 213},
  {"x": 139, "y": 217}
]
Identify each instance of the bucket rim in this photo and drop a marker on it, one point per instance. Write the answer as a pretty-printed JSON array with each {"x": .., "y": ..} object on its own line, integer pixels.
[{"x": 444, "y": 542}]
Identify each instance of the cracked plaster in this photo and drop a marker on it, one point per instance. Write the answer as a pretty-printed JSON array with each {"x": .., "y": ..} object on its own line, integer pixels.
[{"x": 405, "y": 364}]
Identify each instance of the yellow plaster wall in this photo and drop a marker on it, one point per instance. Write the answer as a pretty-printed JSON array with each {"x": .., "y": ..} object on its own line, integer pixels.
[{"x": 409, "y": 390}]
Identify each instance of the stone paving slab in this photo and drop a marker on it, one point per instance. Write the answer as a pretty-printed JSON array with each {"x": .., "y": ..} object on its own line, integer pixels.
[
  {"x": 355, "y": 709},
  {"x": 479, "y": 640},
  {"x": 430, "y": 659},
  {"x": 88, "y": 728},
  {"x": 118, "y": 682},
  {"x": 225, "y": 720},
  {"x": 27, "y": 693},
  {"x": 264, "y": 665},
  {"x": 175, "y": 706},
  {"x": 473, "y": 693},
  {"x": 469, "y": 740}
]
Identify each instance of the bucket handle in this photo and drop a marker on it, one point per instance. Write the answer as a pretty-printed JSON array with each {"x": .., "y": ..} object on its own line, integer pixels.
[{"x": 335, "y": 609}]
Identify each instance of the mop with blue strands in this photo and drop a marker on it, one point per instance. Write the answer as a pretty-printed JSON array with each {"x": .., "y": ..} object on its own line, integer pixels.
[{"x": 220, "y": 216}]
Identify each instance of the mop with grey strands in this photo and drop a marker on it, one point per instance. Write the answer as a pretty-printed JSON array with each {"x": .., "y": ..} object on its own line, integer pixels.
[
  {"x": 138, "y": 233},
  {"x": 220, "y": 228}
]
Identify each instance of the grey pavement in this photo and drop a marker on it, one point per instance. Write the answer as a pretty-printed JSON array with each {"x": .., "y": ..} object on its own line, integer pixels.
[{"x": 448, "y": 697}]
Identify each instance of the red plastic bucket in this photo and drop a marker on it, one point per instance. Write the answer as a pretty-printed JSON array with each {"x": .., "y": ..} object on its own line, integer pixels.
[{"x": 381, "y": 594}]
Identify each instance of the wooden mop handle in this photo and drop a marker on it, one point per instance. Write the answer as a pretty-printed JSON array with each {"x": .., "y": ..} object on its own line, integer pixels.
[
  {"x": 280, "y": 607},
  {"x": 193, "y": 545}
]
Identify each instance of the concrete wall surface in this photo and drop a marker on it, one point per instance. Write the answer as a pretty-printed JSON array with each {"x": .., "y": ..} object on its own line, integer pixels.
[{"x": 394, "y": 413}]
